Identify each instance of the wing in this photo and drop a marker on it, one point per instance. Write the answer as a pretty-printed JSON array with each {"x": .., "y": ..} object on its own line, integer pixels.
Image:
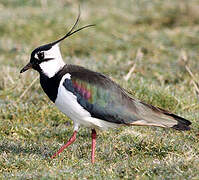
[
  {"x": 99, "y": 95},
  {"x": 106, "y": 100}
]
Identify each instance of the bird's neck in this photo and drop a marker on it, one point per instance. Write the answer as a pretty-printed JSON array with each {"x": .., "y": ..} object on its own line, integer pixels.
[
  {"x": 50, "y": 68},
  {"x": 50, "y": 85}
]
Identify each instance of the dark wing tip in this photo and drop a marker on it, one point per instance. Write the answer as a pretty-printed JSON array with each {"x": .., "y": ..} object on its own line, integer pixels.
[
  {"x": 180, "y": 119},
  {"x": 183, "y": 124},
  {"x": 181, "y": 127}
]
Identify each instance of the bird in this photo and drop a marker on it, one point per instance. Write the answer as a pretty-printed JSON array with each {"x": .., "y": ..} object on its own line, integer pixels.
[{"x": 92, "y": 99}]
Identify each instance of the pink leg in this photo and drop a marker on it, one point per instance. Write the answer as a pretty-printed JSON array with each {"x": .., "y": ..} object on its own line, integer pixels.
[
  {"x": 93, "y": 135},
  {"x": 71, "y": 140}
]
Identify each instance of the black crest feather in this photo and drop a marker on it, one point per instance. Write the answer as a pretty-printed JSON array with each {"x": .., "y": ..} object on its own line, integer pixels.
[{"x": 71, "y": 32}]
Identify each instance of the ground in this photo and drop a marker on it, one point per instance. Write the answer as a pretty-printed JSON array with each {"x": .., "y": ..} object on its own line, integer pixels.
[{"x": 157, "y": 40}]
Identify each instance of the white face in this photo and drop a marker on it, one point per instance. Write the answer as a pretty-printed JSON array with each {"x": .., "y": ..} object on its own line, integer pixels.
[{"x": 51, "y": 67}]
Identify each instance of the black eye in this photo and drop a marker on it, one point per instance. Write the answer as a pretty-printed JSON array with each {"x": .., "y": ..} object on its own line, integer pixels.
[{"x": 40, "y": 55}]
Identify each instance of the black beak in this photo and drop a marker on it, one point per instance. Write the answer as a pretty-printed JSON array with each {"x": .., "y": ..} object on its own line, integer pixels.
[{"x": 25, "y": 68}]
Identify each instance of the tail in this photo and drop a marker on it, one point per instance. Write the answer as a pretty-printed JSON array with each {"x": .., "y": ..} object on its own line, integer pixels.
[
  {"x": 182, "y": 125},
  {"x": 154, "y": 116}
]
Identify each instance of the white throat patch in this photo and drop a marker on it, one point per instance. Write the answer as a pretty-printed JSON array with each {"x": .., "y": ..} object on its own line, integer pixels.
[{"x": 51, "y": 67}]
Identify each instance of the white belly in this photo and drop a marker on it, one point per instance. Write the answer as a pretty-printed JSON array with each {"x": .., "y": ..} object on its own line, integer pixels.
[{"x": 67, "y": 103}]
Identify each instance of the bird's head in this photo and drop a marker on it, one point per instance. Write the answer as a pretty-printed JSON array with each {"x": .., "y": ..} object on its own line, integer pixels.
[{"x": 47, "y": 59}]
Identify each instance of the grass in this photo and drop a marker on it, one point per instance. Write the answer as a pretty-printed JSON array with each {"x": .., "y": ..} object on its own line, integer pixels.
[{"x": 31, "y": 126}]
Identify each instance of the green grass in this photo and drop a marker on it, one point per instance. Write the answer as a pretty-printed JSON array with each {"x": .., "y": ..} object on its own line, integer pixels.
[{"x": 32, "y": 129}]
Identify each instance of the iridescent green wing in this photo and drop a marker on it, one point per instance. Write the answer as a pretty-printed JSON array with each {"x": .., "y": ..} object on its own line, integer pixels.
[{"x": 99, "y": 95}]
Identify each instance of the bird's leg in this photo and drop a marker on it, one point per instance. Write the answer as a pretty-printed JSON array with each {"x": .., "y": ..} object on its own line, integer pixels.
[
  {"x": 93, "y": 135},
  {"x": 71, "y": 140}
]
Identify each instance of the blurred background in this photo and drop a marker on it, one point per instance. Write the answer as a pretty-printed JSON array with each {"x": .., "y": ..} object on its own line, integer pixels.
[{"x": 149, "y": 47}]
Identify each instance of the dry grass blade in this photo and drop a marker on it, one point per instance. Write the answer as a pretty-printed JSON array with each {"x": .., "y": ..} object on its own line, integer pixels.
[
  {"x": 139, "y": 57},
  {"x": 31, "y": 84},
  {"x": 126, "y": 78},
  {"x": 193, "y": 81}
]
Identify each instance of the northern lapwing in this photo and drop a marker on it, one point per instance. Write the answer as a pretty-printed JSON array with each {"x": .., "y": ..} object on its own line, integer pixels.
[{"x": 91, "y": 99}]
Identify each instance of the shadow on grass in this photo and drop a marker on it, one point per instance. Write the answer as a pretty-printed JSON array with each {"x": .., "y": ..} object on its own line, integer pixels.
[{"x": 17, "y": 148}]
